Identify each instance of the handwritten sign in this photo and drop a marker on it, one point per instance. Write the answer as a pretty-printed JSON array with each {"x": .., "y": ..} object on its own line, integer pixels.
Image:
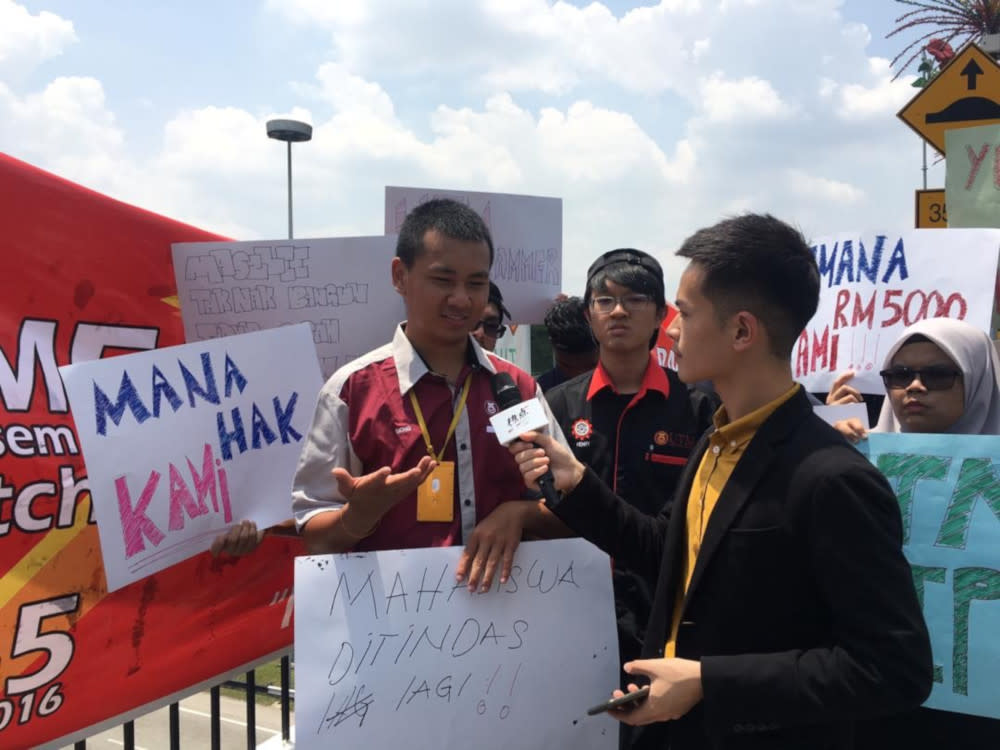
[
  {"x": 340, "y": 286},
  {"x": 949, "y": 493},
  {"x": 391, "y": 652},
  {"x": 182, "y": 442},
  {"x": 527, "y": 240},
  {"x": 515, "y": 346},
  {"x": 839, "y": 412},
  {"x": 874, "y": 285},
  {"x": 972, "y": 182}
]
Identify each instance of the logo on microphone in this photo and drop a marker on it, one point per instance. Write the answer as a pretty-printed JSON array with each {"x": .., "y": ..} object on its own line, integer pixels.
[{"x": 582, "y": 429}]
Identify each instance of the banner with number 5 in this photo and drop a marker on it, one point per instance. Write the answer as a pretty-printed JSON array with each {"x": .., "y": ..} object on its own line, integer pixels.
[{"x": 89, "y": 277}]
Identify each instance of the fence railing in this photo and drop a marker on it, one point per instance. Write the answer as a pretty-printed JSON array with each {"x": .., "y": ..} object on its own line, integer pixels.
[{"x": 251, "y": 689}]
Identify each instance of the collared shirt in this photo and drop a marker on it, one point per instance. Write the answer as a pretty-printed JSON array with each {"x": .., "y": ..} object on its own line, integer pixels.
[
  {"x": 725, "y": 448},
  {"x": 637, "y": 443},
  {"x": 364, "y": 420}
]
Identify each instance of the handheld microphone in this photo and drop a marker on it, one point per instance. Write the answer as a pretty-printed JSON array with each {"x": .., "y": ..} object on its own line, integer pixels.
[{"x": 517, "y": 416}]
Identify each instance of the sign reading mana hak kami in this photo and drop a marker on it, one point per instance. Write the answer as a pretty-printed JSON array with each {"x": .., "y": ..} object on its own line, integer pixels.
[{"x": 182, "y": 442}]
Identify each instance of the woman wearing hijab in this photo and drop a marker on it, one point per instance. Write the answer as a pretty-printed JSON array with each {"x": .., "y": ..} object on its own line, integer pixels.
[{"x": 941, "y": 376}]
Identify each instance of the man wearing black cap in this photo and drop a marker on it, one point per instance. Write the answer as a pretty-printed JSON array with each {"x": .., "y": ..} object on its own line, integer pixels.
[{"x": 631, "y": 420}]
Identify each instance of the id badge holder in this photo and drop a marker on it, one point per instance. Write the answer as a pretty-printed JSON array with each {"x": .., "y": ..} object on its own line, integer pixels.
[{"x": 436, "y": 495}]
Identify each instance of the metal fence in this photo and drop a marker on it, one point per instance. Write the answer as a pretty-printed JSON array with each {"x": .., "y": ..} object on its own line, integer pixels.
[{"x": 252, "y": 690}]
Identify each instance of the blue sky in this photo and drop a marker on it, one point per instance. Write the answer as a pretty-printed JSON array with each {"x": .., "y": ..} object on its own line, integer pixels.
[{"x": 650, "y": 121}]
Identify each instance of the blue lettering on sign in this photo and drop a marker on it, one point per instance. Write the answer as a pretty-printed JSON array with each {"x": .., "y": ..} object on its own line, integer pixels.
[
  {"x": 161, "y": 390},
  {"x": 850, "y": 262}
]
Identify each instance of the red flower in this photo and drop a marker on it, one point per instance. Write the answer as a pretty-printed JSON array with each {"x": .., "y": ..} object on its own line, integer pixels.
[{"x": 940, "y": 50}]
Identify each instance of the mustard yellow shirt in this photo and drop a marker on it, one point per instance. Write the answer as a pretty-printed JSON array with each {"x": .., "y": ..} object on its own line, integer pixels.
[{"x": 725, "y": 448}]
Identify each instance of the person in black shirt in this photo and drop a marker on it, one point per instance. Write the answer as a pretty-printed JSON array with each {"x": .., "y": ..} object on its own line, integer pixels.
[
  {"x": 632, "y": 421},
  {"x": 573, "y": 346}
]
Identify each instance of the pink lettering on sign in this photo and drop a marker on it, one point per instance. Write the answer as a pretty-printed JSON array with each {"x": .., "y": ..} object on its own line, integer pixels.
[{"x": 209, "y": 483}]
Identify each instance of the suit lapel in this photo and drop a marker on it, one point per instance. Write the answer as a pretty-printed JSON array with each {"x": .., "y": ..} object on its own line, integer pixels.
[
  {"x": 673, "y": 559},
  {"x": 751, "y": 467}
]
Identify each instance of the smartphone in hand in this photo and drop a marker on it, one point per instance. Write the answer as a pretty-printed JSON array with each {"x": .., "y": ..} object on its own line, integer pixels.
[{"x": 626, "y": 700}]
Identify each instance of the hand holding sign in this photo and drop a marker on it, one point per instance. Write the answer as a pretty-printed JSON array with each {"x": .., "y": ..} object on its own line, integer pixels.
[{"x": 843, "y": 393}]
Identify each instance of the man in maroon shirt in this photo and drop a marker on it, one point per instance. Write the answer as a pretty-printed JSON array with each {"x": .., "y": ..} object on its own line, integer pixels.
[{"x": 400, "y": 453}]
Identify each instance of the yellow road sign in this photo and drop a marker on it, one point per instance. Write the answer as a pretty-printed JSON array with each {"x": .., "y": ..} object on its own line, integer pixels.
[
  {"x": 931, "y": 212},
  {"x": 965, "y": 93}
]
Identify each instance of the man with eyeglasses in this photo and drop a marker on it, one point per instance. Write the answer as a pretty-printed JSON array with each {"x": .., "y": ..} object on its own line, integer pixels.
[
  {"x": 631, "y": 420},
  {"x": 490, "y": 326}
]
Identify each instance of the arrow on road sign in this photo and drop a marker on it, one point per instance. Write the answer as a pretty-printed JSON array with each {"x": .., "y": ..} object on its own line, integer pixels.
[{"x": 970, "y": 71}]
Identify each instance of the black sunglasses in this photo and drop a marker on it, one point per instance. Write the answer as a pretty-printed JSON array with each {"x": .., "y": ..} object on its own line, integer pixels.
[
  {"x": 934, "y": 378},
  {"x": 492, "y": 329}
]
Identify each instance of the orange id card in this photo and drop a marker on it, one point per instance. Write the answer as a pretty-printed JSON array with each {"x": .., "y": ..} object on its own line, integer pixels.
[{"x": 436, "y": 495}]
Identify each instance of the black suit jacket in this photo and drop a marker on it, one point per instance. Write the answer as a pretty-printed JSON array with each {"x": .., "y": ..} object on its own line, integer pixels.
[{"x": 801, "y": 606}]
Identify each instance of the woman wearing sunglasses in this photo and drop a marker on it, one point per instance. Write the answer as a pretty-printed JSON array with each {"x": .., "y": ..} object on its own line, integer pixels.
[{"x": 940, "y": 377}]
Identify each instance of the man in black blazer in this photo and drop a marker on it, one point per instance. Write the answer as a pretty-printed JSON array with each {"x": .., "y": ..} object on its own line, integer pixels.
[{"x": 784, "y": 608}]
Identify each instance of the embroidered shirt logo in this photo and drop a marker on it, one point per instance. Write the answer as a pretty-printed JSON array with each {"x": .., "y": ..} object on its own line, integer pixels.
[
  {"x": 582, "y": 429},
  {"x": 661, "y": 437},
  {"x": 404, "y": 429},
  {"x": 492, "y": 408}
]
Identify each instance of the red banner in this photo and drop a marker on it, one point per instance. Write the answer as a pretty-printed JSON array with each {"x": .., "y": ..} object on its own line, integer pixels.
[
  {"x": 664, "y": 344},
  {"x": 87, "y": 277}
]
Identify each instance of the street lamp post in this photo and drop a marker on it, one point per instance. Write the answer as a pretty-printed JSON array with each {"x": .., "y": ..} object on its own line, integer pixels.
[{"x": 289, "y": 131}]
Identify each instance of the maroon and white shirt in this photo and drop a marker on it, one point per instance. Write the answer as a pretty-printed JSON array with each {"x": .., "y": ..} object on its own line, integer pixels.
[{"x": 364, "y": 420}]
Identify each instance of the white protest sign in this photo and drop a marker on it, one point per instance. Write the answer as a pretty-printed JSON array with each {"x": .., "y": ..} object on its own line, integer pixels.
[
  {"x": 182, "y": 442},
  {"x": 874, "y": 285},
  {"x": 391, "y": 652},
  {"x": 340, "y": 286},
  {"x": 839, "y": 412},
  {"x": 527, "y": 240},
  {"x": 515, "y": 346}
]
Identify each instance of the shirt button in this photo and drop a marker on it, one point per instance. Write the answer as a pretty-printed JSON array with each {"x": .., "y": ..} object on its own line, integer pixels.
[
  {"x": 462, "y": 446},
  {"x": 715, "y": 450},
  {"x": 732, "y": 444},
  {"x": 468, "y": 502}
]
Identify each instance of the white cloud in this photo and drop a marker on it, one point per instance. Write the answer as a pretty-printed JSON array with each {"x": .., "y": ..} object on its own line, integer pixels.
[
  {"x": 741, "y": 100},
  {"x": 882, "y": 96},
  {"x": 812, "y": 186},
  {"x": 27, "y": 40},
  {"x": 649, "y": 124}
]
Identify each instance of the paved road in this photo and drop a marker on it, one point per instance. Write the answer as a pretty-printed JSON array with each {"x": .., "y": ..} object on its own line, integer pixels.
[{"x": 152, "y": 731}]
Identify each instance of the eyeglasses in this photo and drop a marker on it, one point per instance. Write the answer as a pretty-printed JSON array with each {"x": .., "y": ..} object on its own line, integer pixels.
[
  {"x": 491, "y": 328},
  {"x": 630, "y": 302},
  {"x": 934, "y": 378}
]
